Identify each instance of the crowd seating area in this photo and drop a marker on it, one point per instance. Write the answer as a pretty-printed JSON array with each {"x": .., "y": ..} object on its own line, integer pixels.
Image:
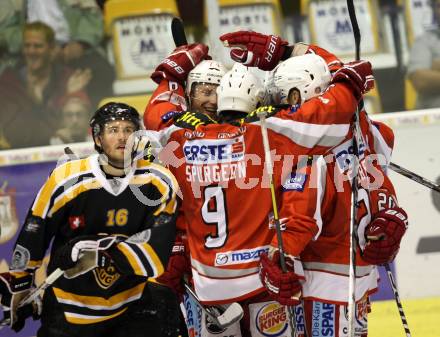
[{"x": 137, "y": 36}]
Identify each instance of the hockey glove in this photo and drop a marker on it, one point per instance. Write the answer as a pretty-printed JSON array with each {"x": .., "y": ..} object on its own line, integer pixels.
[
  {"x": 82, "y": 254},
  {"x": 255, "y": 49},
  {"x": 284, "y": 288},
  {"x": 181, "y": 61},
  {"x": 384, "y": 234},
  {"x": 14, "y": 287},
  {"x": 178, "y": 266},
  {"x": 358, "y": 75}
]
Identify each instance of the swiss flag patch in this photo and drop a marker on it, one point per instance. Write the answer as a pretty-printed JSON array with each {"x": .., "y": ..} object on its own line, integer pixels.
[{"x": 77, "y": 221}]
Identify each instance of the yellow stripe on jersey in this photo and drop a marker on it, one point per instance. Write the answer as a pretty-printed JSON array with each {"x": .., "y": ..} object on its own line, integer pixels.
[
  {"x": 19, "y": 274},
  {"x": 156, "y": 263},
  {"x": 72, "y": 193},
  {"x": 133, "y": 259},
  {"x": 171, "y": 206},
  {"x": 88, "y": 319},
  {"x": 32, "y": 264},
  {"x": 100, "y": 303},
  {"x": 167, "y": 205},
  {"x": 59, "y": 175},
  {"x": 135, "y": 262},
  {"x": 163, "y": 189},
  {"x": 167, "y": 173}
]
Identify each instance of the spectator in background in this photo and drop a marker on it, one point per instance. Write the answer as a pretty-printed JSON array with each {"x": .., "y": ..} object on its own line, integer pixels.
[
  {"x": 78, "y": 26},
  {"x": 9, "y": 35},
  {"x": 30, "y": 94},
  {"x": 424, "y": 64},
  {"x": 74, "y": 121}
]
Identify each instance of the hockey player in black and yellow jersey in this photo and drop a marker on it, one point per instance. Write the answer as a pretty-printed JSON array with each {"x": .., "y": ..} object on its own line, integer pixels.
[{"x": 83, "y": 200}]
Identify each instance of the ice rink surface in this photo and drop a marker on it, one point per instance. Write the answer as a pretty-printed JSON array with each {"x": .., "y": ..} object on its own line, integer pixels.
[{"x": 423, "y": 317}]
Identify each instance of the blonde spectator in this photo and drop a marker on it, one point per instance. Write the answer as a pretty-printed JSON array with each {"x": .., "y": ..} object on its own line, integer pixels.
[
  {"x": 30, "y": 94},
  {"x": 79, "y": 32}
]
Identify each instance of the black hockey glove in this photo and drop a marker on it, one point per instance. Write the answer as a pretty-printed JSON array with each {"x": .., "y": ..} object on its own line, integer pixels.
[
  {"x": 67, "y": 256},
  {"x": 14, "y": 287}
]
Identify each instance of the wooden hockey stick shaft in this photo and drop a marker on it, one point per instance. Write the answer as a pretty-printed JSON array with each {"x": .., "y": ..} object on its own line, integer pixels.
[{"x": 269, "y": 169}]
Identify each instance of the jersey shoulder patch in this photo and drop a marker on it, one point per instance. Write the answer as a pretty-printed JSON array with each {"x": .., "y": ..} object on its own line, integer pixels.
[
  {"x": 191, "y": 120},
  {"x": 269, "y": 111}
]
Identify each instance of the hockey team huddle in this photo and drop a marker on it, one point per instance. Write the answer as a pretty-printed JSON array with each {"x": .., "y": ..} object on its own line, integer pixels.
[{"x": 178, "y": 219}]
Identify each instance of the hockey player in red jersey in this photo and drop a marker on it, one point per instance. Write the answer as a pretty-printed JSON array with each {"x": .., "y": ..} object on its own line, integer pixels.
[
  {"x": 187, "y": 80},
  {"x": 104, "y": 195},
  {"x": 316, "y": 216},
  {"x": 225, "y": 197}
]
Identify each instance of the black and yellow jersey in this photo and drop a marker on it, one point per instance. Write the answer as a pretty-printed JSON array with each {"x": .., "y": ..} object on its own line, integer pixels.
[{"x": 78, "y": 199}]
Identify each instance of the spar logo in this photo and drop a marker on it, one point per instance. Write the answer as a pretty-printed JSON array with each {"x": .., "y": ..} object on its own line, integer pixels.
[
  {"x": 271, "y": 320},
  {"x": 213, "y": 151}
]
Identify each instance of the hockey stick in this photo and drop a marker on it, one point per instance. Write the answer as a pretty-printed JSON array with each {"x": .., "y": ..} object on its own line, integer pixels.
[
  {"x": 178, "y": 32},
  {"x": 354, "y": 188},
  {"x": 55, "y": 275},
  {"x": 29, "y": 298},
  {"x": 414, "y": 177},
  {"x": 398, "y": 302},
  {"x": 352, "y": 291},
  {"x": 233, "y": 313},
  {"x": 269, "y": 168}
]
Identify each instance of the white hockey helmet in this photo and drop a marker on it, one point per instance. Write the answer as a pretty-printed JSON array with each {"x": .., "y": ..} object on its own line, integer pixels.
[
  {"x": 207, "y": 71},
  {"x": 239, "y": 90},
  {"x": 309, "y": 74}
]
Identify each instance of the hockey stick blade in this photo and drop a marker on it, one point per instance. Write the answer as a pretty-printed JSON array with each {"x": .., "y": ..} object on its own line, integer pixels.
[
  {"x": 230, "y": 315},
  {"x": 178, "y": 32}
]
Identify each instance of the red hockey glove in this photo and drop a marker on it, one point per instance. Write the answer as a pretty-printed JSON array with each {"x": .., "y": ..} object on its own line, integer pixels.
[
  {"x": 14, "y": 287},
  {"x": 181, "y": 61},
  {"x": 384, "y": 234},
  {"x": 178, "y": 266},
  {"x": 284, "y": 288},
  {"x": 357, "y": 74},
  {"x": 255, "y": 49}
]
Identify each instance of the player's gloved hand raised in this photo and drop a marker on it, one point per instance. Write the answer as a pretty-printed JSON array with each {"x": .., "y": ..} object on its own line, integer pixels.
[
  {"x": 383, "y": 235},
  {"x": 178, "y": 266},
  {"x": 180, "y": 62},
  {"x": 358, "y": 75},
  {"x": 285, "y": 288},
  {"x": 255, "y": 49},
  {"x": 14, "y": 287}
]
